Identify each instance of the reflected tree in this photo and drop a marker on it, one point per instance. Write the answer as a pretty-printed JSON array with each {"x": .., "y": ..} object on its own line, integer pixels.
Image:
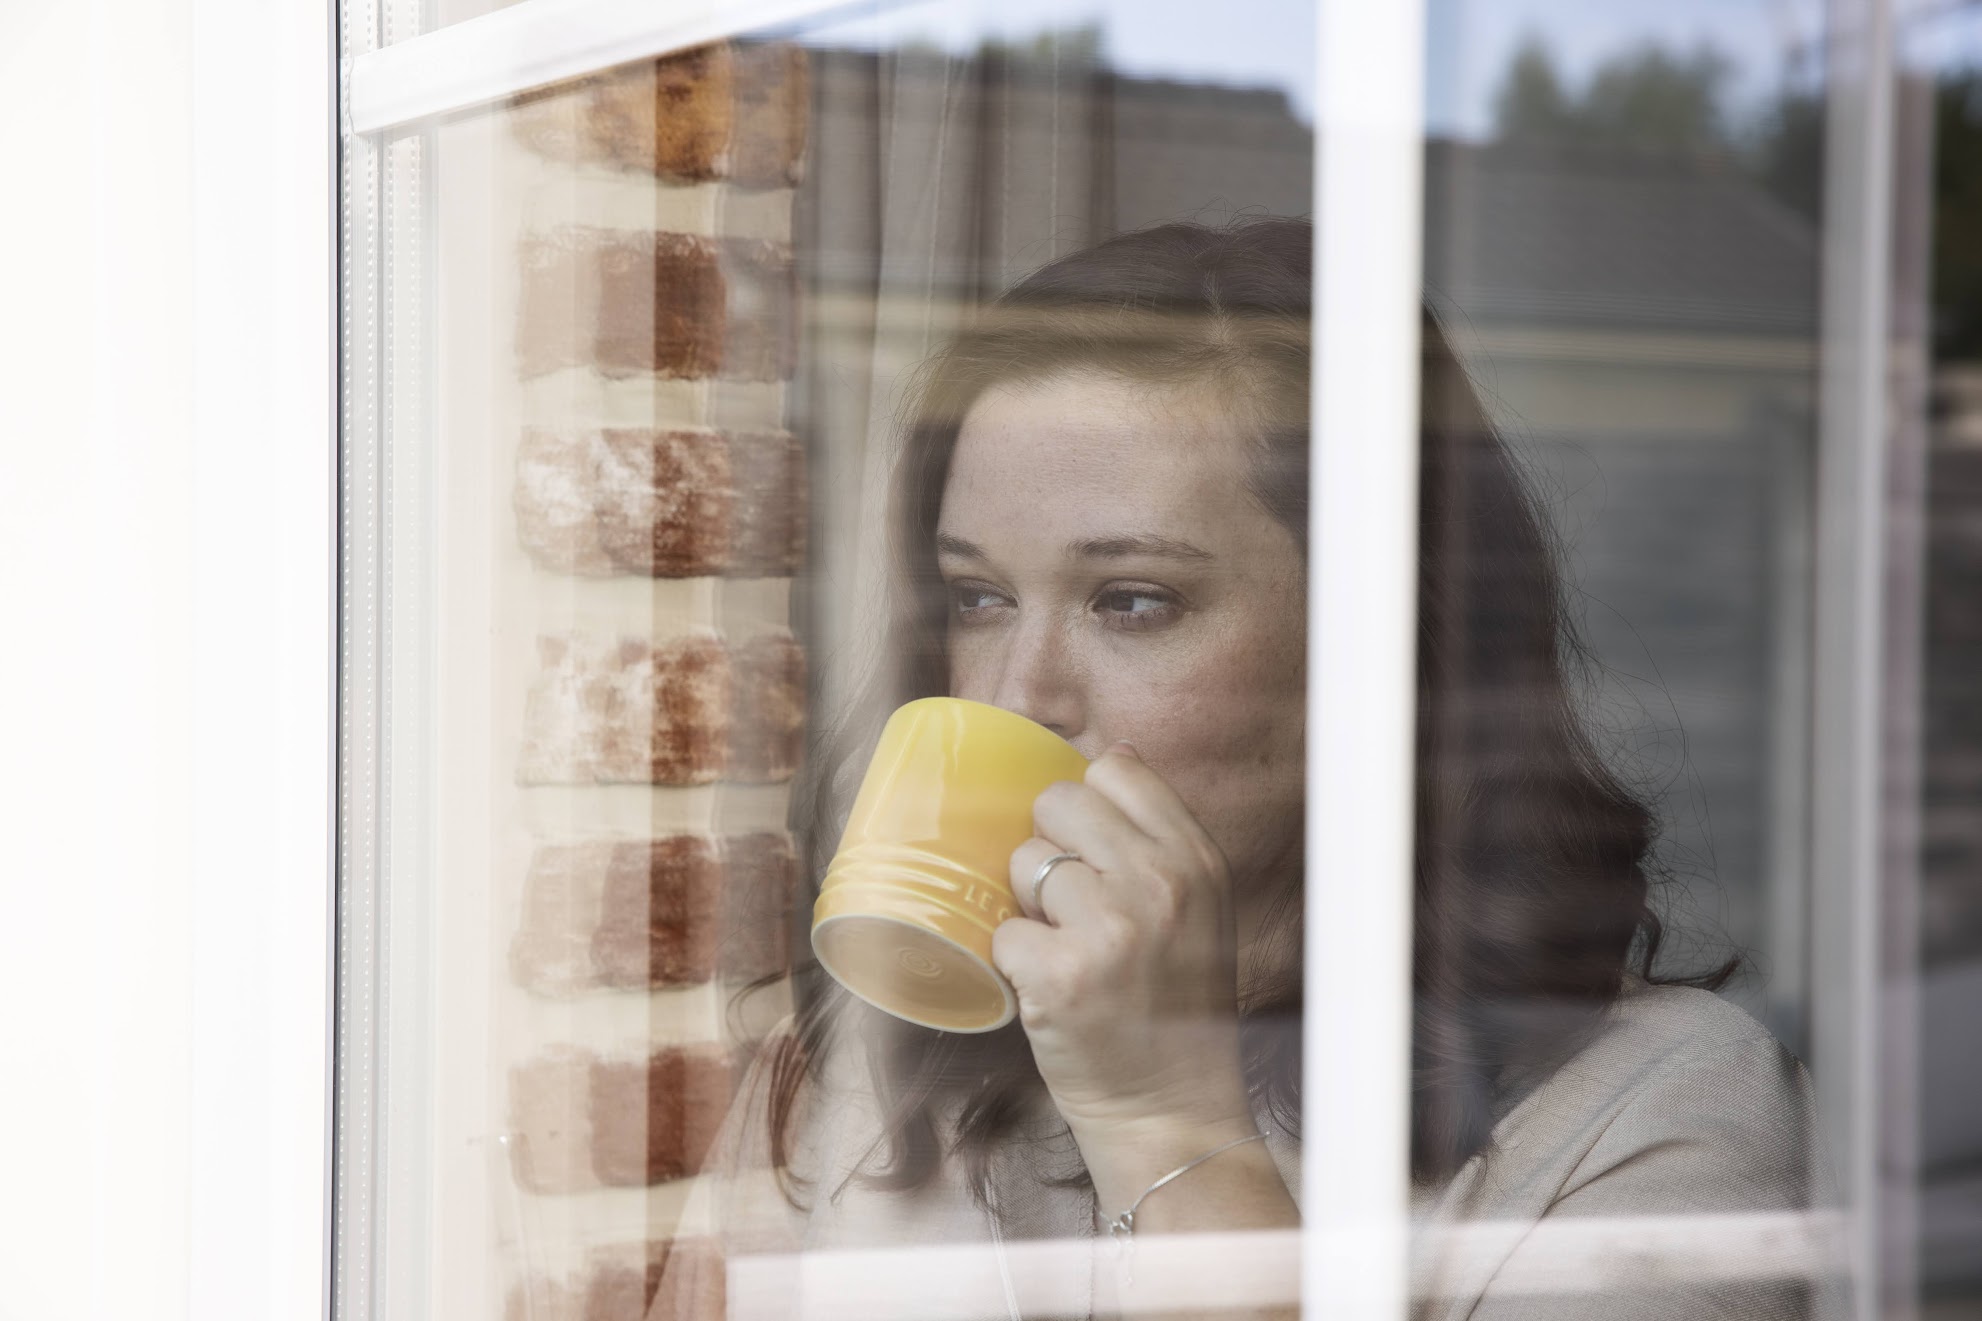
[
  {"x": 1646, "y": 99},
  {"x": 1651, "y": 100}
]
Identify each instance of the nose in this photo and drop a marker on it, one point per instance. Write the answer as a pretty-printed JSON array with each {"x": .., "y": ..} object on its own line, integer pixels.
[{"x": 1034, "y": 674}]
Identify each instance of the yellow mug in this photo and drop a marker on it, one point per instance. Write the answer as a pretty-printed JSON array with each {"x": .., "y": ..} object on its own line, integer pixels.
[{"x": 922, "y": 876}]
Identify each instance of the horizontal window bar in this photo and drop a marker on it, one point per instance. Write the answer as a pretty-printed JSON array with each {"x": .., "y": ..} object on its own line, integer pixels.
[{"x": 1569, "y": 1255}]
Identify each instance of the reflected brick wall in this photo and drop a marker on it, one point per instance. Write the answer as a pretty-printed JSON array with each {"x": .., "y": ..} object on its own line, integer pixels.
[{"x": 656, "y": 513}]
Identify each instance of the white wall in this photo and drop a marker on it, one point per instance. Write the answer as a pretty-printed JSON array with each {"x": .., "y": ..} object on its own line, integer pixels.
[{"x": 165, "y": 683}]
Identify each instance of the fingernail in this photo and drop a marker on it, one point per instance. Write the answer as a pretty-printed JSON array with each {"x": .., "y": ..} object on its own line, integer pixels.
[{"x": 1128, "y": 747}]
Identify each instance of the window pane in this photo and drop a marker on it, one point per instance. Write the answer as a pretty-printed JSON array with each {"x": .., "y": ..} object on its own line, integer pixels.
[
  {"x": 1943, "y": 54},
  {"x": 1639, "y": 995},
  {"x": 656, "y": 335},
  {"x": 799, "y": 452}
]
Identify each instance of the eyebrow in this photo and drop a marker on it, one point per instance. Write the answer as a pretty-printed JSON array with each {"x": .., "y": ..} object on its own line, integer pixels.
[
  {"x": 1116, "y": 548},
  {"x": 957, "y": 546},
  {"x": 1091, "y": 548}
]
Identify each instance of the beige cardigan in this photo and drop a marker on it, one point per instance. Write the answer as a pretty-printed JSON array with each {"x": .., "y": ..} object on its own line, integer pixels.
[{"x": 1680, "y": 1105}]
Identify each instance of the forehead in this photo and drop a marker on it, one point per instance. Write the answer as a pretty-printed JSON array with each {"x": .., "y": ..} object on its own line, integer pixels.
[{"x": 1090, "y": 447}]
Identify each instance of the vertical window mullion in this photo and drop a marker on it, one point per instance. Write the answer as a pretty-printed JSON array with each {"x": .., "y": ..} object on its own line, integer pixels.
[
  {"x": 1362, "y": 623},
  {"x": 1850, "y": 564}
]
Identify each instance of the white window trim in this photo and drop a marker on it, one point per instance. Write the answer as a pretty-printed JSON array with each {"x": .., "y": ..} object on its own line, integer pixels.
[
  {"x": 1362, "y": 629},
  {"x": 263, "y": 322},
  {"x": 1565, "y": 1257},
  {"x": 1847, "y": 778}
]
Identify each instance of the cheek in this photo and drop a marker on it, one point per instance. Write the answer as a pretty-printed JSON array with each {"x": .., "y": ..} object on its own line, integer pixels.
[
  {"x": 1244, "y": 774},
  {"x": 972, "y": 669},
  {"x": 966, "y": 668},
  {"x": 1224, "y": 721}
]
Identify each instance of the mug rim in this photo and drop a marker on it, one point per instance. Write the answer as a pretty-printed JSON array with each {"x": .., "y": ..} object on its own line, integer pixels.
[
  {"x": 1004, "y": 712},
  {"x": 1005, "y": 991}
]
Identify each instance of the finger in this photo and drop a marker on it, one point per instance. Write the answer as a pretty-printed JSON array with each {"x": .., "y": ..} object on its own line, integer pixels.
[
  {"x": 1025, "y": 952},
  {"x": 1144, "y": 797},
  {"x": 1048, "y": 967},
  {"x": 1071, "y": 890},
  {"x": 1083, "y": 820}
]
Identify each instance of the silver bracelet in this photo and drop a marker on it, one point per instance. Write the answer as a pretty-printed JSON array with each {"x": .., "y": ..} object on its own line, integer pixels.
[{"x": 1124, "y": 1225}]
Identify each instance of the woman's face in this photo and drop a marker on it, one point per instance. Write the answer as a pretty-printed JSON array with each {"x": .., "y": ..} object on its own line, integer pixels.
[{"x": 1112, "y": 577}]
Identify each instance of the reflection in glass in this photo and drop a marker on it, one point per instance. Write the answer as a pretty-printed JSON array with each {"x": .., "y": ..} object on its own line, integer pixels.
[{"x": 783, "y": 382}]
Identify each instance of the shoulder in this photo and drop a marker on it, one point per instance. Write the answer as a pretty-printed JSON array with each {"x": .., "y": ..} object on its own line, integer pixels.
[
  {"x": 1676, "y": 1082},
  {"x": 1658, "y": 1037},
  {"x": 1680, "y": 1106},
  {"x": 1679, "y": 1020}
]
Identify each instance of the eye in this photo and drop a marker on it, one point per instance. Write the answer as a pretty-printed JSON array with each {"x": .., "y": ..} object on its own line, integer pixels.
[
  {"x": 1136, "y": 606},
  {"x": 974, "y": 603}
]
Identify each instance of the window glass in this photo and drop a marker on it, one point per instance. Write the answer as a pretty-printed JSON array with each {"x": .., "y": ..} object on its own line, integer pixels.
[
  {"x": 1943, "y": 94},
  {"x": 839, "y": 609},
  {"x": 1624, "y": 229},
  {"x": 1624, "y": 252},
  {"x": 663, "y": 336}
]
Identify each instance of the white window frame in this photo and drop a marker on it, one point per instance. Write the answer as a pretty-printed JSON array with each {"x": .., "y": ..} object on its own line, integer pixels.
[
  {"x": 262, "y": 321},
  {"x": 1861, "y": 887},
  {"x": 1361, "y": 702}
]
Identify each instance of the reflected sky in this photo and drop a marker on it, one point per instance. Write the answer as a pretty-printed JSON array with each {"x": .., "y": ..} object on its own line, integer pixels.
[{"x": 1766, "y": 41}]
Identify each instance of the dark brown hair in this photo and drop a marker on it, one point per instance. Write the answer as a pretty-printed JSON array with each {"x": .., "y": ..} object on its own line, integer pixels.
[{"x": 1532, "y": 856}]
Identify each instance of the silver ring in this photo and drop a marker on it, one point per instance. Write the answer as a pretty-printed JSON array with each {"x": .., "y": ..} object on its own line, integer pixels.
[{"x": 1046, "y": 870}]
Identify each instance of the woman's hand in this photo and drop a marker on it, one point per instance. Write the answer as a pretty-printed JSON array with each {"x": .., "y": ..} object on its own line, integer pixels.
[
  {"x": 1128, "y": 992},
  {"x": 1126, "y": 980}
]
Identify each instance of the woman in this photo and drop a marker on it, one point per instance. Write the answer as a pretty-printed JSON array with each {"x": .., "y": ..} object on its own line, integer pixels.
[{"x": 1100, "y": 522}]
